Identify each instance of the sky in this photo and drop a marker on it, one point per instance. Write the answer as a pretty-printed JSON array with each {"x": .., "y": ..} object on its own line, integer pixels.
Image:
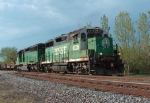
[{"x": 24, "y": 23}]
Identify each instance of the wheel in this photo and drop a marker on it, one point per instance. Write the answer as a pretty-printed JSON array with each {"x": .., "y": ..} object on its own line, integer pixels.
[
  {"x": 84, "y": 71},
  {"x": 29, "y": 69},
  {"x": 46, "y": 69}
]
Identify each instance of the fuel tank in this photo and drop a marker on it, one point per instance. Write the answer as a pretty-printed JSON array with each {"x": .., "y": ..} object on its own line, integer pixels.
[{"x": 60, "y": 67}]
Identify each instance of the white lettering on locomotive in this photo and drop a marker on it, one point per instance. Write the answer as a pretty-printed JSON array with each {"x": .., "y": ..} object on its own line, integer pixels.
[
  {"x": 105, "y": 43},
  {"x": 60, "y": 50},
  {"x": 76, "y": 47}
]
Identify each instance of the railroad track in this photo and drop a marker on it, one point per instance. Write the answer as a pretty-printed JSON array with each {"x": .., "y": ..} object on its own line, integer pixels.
[{"x": 125, "y": 85}]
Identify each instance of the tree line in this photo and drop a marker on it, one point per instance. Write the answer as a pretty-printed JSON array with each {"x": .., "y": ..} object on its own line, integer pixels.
[
  {"x": 8, "y": 55},
  {"x": 133, "y": 38}
]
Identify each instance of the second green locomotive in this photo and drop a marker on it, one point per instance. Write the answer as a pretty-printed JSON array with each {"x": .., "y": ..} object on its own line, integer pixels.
[{"x": 87, "y": 50}]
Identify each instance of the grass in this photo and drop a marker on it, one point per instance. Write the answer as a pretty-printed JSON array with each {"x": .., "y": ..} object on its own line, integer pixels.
[
  {"x": 22, "y": 102},
  {"x": 1, "y": 101}
]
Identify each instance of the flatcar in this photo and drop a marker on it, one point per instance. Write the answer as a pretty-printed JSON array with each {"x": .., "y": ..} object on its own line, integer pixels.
[{"x": 88, "y": 50}]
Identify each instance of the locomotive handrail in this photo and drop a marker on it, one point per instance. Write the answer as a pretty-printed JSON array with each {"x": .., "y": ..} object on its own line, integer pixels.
[
  {"x": 69, "y": 49},
  {"x": 41, "y": 57}
]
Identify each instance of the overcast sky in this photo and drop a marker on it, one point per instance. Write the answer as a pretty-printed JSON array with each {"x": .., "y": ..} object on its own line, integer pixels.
[{"x": 27, "y": 22}]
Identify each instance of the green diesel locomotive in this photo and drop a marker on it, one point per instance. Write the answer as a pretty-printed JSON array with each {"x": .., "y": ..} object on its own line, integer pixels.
[{"x": 88, "y": 50}]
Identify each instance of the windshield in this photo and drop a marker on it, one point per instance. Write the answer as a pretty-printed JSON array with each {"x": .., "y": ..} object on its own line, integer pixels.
[{"x": 92, "y": 35}]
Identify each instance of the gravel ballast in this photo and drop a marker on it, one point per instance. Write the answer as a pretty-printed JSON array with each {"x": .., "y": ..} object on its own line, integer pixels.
[{"x": 50, "y": 92}]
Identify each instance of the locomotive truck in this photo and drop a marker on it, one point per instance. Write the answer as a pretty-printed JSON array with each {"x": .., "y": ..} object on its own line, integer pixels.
[{"x": 88, "y": 50}]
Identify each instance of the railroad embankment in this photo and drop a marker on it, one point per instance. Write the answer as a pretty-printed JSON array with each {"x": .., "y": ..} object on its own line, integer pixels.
[{"x": 37, "y": 91}]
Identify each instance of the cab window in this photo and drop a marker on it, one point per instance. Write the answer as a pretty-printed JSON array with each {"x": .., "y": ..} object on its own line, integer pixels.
[{"x": 83, "y": 36}]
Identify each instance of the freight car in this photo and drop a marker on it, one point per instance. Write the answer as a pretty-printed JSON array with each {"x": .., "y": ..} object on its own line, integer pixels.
[{"x": 87, "y": 50}]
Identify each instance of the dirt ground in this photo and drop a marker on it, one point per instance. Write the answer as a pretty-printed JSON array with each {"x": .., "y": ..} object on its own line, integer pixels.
[{"x": 10, "y": 94}]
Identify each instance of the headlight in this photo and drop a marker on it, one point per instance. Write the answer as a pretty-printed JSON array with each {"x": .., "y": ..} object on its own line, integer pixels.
[
  {"x": 101, "y": 53},
  {"x": 111, "y": 64}
]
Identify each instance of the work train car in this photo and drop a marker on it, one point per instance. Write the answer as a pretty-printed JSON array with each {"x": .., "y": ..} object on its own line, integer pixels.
[{"x": 87, "y": 50}]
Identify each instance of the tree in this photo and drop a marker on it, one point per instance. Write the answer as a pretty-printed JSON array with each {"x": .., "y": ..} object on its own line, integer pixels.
[
  {"x": 125, "y": 35},
  {"x": 149, "y": 13},
  {"x": 8, "y": 55},
  {"x": 143, "y": 26},
  {"x": 149, "y": 36},
  {"x": 124, "y": 29},
  {"x": 89, "y": 24},
  {"x": 104, "y": 23}
]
